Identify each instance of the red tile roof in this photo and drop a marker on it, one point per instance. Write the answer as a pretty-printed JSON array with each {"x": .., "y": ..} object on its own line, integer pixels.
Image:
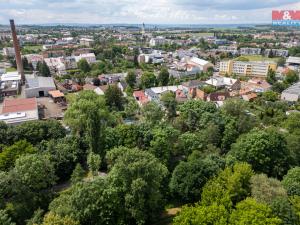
[{"x": 19, "y": 105}]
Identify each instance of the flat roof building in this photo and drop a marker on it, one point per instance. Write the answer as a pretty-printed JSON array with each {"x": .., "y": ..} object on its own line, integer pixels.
[{"x": 16, "y": 111}]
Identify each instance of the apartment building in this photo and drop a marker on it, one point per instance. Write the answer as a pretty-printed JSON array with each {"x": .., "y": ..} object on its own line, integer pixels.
[
  {"x": 276, "y": 52},
  {"x": 252, "y": 69},
  {"x": 250, "y": 51}
]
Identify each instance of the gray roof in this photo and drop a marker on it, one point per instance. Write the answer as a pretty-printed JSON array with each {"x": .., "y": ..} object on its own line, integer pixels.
[
  {"x": 40, "y": 82},
  {"x": 294, "y": 89}
]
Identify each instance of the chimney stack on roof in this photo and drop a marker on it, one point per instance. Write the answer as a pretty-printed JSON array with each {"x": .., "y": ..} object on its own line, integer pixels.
[{"x": 17, "y": 50}]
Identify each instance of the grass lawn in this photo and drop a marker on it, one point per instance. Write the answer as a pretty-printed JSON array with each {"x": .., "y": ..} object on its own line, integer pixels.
[
  {"x": 11, "y": 69},
  {"x": 33, "y": 47},
  {"x": 256, "y": 58}
]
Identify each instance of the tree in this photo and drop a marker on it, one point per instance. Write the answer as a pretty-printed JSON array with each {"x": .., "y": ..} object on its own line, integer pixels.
[
  {"x": 265, "y": 189},
  {"x": 94, "y": 202},
  {"x": 114, "y": 97},
  {"x": 281, "y": 61},
  {"x": 5, "y": 219},
  {"x": 43, "y": 69},
  {"x": 204, "y": 215},
  {"x": 162, "y": 143},
  {"x": 189, "y": 177},
  {"x": 141, "y": 192},
  {"x": 292, "y": 123},
  {"x": 291, "y": 181},
  {"x": 251, "y": 212},
  {"x": 84, "y": 66},
  {"x": 94, "y": 162},
  {"x": 148, "y": 80},
  {"x": 77, "y": 174},
  {"x": 53, "y": 219},
  {"x": 197, "y": 114},
  {"x": 36, "y": 131},
  {"x": 270, "y": 96},
  {"x": 291, "y": 77},
  {"x": 65, "y": 154},
  {"x": 152, "y": 113},
  {"x": 283, "y": 209},
  {"x": 271, "y": 76},
  {"x": 265, "y": 150},
  {"x": 88, "y": 117},
  {"x": 131, "y": 79},
  {"x": 10, "y": 154},
  {"x": 35, "y": 171},
  {"x": 169, "y": 101},
  {"x": 163, "y": 77},
  {"x": 229, "y": 187}
]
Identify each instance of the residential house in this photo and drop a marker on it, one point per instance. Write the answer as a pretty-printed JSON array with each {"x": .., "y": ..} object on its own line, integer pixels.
[
  {"x": 224, "y": 82},
  {"x": 140, "y": 97}
]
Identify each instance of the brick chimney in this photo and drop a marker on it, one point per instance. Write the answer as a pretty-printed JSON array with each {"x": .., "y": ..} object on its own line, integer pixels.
[{"x": 17, "y": 50}]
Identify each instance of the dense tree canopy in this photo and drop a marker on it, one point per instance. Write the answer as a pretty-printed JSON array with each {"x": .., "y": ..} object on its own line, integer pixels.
[{"x": 265, "y": 150}]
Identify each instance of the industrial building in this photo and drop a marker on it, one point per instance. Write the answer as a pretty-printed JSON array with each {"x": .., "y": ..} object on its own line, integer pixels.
[
  {"x": 38, "y": 86},
  {"x": 16, "y": 111}
]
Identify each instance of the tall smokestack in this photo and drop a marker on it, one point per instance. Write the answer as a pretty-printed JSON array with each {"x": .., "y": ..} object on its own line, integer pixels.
[{"x": 17, "y": 50}]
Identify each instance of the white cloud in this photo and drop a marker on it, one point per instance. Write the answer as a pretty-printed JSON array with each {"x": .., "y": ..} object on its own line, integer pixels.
[{"x": 137, "y": 11}]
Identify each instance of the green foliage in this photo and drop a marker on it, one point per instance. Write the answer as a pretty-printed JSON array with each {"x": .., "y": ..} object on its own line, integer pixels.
[
  {"x": 189, "y": 177},
  {"x": 94, "y": 162},
  {"x": 162, "y": 143},
  {"x": 291, "y": 181},
  {"x": 291, "y": 77},
  {"x": 163, "y": 77},
  {"x": 265, "y": 189},
  {"x": 140, "y": 191},
  {"x": 114, "y": 98},
  {"x": 131, "y": 79},
  {"x": 88, "y": 117},
  {"x": 34, "y": 132},
  {"x": 43, "y": 69},
  {"x": 152, "y": 113},
  {"x": 204, "y": 215},
  {"x": 283, "y": 209},
  {"x": 270, "y": 96},
  {"x": 64, "y": 153},
  {"x": 94, "y": 202},
  {"x": 132, "y": 108},
  {"x": 265, "y": 150},
  {"x": 229, "y": 187},
  {"x": 78, "y": 174},
  {"x": 84, "y": 66},
  {"x": 35, "y": 171},
  {"x": 169, "y": 102},
  {"x": 10, "y": 154},
  {"x": 5, "y": 219},
  {"x": 148, "y": 80},
  {"x": 52, "y": 219},
  {"x": 251, "y": 212},
  {"x": 197, "y": 114},
  {"x": 271, "y": 77}
]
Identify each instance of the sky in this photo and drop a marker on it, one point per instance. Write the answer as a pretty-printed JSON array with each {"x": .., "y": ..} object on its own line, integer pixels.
[{"x": 139, "y": 11}]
